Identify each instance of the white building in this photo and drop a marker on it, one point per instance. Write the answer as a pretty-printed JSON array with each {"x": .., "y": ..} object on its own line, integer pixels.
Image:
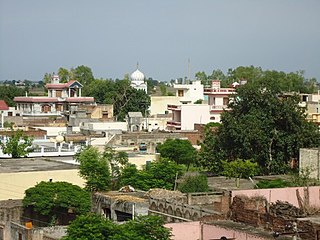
[
  {"x": 184, "y": 116},
  {"x": 61, "y": 97},
  {"x": 189, "y": 93},
  {"x": 138, "y": 80}
]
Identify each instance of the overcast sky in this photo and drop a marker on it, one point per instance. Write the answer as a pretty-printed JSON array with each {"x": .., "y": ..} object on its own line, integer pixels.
[{"x": 110, "y": 36}]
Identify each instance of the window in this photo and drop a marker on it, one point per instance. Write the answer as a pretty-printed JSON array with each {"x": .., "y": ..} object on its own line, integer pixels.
[{"x": 180, "y": 93}]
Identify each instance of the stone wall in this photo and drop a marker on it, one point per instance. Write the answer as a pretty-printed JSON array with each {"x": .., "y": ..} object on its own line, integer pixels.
[
  {"x": 10, "y": 210},
  {"x": 309, "y": 159}
]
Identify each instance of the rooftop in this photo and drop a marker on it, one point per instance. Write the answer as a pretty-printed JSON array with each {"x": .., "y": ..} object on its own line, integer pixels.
[{"x": 32, "y": 164}]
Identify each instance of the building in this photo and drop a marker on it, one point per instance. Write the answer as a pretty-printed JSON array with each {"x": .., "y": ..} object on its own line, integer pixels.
[
  {"x": 189, "y": 93},
  {"x": 62, "y": 98},
  {"x": 137, "y": 80},
  {"x": 218, "y": 99},
  {"x": 186, "y": 114}
]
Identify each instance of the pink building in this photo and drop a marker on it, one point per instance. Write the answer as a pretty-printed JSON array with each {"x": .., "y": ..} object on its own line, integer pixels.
[
  {"x": 200, "y": 231},
  {"x": 218, "y": 99},
  {"x": 61, "y": 97}
]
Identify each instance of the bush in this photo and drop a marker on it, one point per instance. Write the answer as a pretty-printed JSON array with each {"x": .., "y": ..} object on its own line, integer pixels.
[
  {"x": 277, "y": 183},
  {"x": 195, "y": 183}
]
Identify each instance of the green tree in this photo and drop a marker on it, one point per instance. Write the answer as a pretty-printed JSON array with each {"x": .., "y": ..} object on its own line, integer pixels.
[
  {"x": 119, "y": 93},
  {"x": 7, "y": 93},
  {"x": 179, "y": 150},
  {"x": 209, "y": 155},
  {"x": 239, "y": 169},
  {"x": 93, "y": 227},
  {"x": 64, "y": 75},
  {"x": 47, "y": 78},
  {"x": 163, "y": 89},
  {"x": 52, "y": 199},
  {"x": 17, "y": 145},
  {"x": 202, "y": 76},
  {"x": 94, "y": 168},
  {"x": 83, "y": 74},
  {"x": 194, "y": 183},
  {"x": 264, "y": 125},
  {"x": 157, "y": 174}
]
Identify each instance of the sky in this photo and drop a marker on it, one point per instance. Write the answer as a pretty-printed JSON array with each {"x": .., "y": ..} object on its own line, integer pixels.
[{"x": 111, "y": 36}]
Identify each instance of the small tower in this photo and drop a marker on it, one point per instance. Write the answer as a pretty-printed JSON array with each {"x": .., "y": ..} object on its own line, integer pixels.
[{"x": 55, "y": 78}]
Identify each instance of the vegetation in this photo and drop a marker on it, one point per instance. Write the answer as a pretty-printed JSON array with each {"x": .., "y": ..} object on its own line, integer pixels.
[
  {"x": 94, "y": 168},
  {"x": 117, "y": 161},
  {"x": 119, "y": 93},
  {"x": 55, "y": 198},
  {"x": 7, "y": 93},
  {"x": 156, "y": 174},
  {"x": 93, "y": 227},
  {"x": 276, "y": 183},
  {"x": 194, "y": 183},
  {"x": 263, "y": 125},
  {"x": 288, "y": 82},
  {"x": 18, "y": 145},
  {"x": 178, "y": 150}
]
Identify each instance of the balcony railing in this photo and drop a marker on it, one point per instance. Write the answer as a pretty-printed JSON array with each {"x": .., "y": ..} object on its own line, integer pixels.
[
  {"x": 219, "y": 107},
  {"x": 173, "y": 124},
  {"x": 219, "y": 90}
]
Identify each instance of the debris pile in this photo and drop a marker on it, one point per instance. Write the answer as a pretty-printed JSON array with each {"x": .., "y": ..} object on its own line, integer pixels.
[
  {"x": 169, "y": 196},
  {"x": 281, "y": 208}
]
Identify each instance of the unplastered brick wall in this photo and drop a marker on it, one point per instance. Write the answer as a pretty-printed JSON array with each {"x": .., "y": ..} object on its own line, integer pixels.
[{"x": 257, "y": 212}]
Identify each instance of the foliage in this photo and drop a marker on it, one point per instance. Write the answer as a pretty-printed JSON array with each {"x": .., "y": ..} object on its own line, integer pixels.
[
  {"x": 18, "y": 145},
  {"x": 163, "y": 89},
  {"x": 94, "y": 168},
  {"x": 7, "y": 93},
  {"x": 7, "y": 124},
  {"x": 288, "y": 82},
  {"x": 117, "y": 161},
  {"x": 52, "y": 198},
  {"x": 199, "y": 101},
  {"x": 64, "y": 75},
  {"x": 209, "y": 156},
  {"x": 119, "y": 93},
  {"x": 303, "y": 179},
  {"x": 83, "y": 74},
  {"x": 157, "y": 174},
  {"x": 263, "y": 125},
  {"x": 194, "y": 183},
  {"x": 179, "y": 150},
  {"x": 90, "y": 227},
  {"x": 239, "y": 169},
  {"x": 276, "y": 183},
  {"x": 94, "y": 227}
]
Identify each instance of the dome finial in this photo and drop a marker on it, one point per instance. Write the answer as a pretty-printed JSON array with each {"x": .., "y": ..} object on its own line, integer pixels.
[{"x": 137, "y": 65}]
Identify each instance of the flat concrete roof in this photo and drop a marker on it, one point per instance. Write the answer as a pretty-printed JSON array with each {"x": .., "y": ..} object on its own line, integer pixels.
[{"x": 13, "y": 165}]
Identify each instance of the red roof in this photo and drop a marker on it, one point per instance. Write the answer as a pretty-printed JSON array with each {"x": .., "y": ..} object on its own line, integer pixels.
[
  {"x": 53, "y": 99},
  {"x": 3, "y": 105},
  {"x": 61, "y": 85}
]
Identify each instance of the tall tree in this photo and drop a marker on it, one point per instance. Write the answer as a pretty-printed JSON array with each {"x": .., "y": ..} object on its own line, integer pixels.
[
  {"x": 266, "y": 126},
  {"x": 83, "y": 74},
  {"x": 55, "y": 199},
  {"x": 94, "y": 168},
  {"x": 64, "y": 75},
  {"x": 95, "y": 227},
  {"x": 7, "y": 93},
  {"x": 179, "y": 150}
]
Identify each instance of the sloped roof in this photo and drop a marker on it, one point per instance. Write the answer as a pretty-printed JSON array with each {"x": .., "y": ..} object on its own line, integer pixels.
[{"x": 3, "y": 105}]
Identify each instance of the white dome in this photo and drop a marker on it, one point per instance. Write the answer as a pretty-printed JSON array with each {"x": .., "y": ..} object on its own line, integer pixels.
[{"x": 137, "y": 76}]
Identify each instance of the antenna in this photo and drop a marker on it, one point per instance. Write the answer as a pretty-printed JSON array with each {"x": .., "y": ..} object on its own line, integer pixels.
[{"x": 188, "y": 69}]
